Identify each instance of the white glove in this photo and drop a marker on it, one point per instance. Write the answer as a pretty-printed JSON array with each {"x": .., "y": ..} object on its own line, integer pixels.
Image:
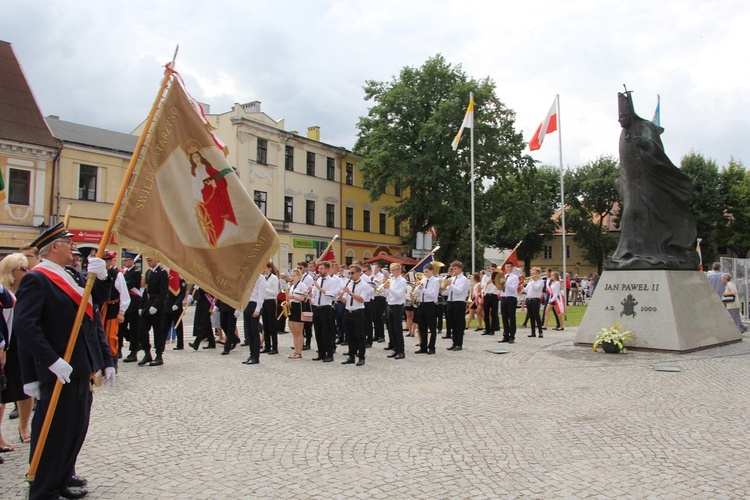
[
  {"x": 32, "y": 389},
  {"x": 98, "y": 267},
  {"x": 62, "y": 369},
  {"x": 109, "y": 377},
  {"x": 152, "y": 310},
  {"x": 237, "y": 314},
  {"x": 174, "y": 307},
  {"x": 189, "y": 299}
]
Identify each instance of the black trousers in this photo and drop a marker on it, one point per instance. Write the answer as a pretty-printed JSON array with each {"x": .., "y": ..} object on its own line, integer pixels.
[
  {"x": 533, "y": 306},
  {"x": 340, "y": 327},
  {"x": 270, "y": 334},
  {"x": 202, "y": 326},
  {"x": 229, "y": 325},
  {"x": 368, "y": 321},
  {"x": 355, "y": 332},
  {"x": 395, "y": 328},
  {"x": 65, "y": 438},
  {"x": 508, "y": 310},
  {"x": 440, "y": 314},
  {"x": 308, "y": 327},
  {"x": 155, "y": 322},
  {"x": 426, "y": 320},
  {"x": 380, "y": 305},
  {"x": 491, "y": 314},
  {"x": 323, "y": 323},
  {"x": 172, "y": 317},
  {"x": 130, "y": 328},
  {"x": 455, "y": 313},
  {"x": 252, "y": 330}
]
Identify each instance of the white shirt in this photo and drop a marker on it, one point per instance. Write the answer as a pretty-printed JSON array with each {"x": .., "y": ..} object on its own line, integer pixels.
[
  {"x": 258, "y": 292},
  {"x": 271, "y": 288},
  {"x": 458, "y": 290},
  {"x": 511, "y": 285},
  {"x": 534, "y": 289},
  {"x": 331, "y": 286},
  {"x": 430, "y": 291},
  {"x": 396, "y": 293},
  {"x": 367, "y": 279},
  {"x": 359, "y": 288},
  {"x": 122, "y": 289}
]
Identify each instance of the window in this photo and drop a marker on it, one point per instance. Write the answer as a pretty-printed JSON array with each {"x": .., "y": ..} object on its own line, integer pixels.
[
  {"x": 310, "y": 212},
  {"x": 382, "y": 223},
  {"x": 259, "y": 197},
  {"x": 349, "y": 218},
  {"x": 289, "y": 158},
  {"x": 547, "y": 251},
  {"x": 397, "y": 187},
  {"x": 19, "y": 186},
  {"x": 349, "y": 260},
  {"x": 366, "y": 221},
  {"x": 87, "y": 182},
  {"x": 288, "y": 209},
  {"x": 567, "y": 251},
  {"x": 397, "y": 228},
  {"x": 330, "y": 169},
  {"x": 330, "y": 215},
  {"x": 311, "y": 164},
  {"x": 262, "y": 151},
  {"x": 349, "y": 174}
]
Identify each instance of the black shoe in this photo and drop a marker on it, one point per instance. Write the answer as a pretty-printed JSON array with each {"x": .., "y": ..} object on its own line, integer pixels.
[
  {"x": 145, "y": 361},
  {"x": 77, "y": 482},
  {"x": 431, "y": 351},
  {"x": 532, "y": 335},
  {"x": 393, "y": 355},
  {"x": 329, "y": 359},
  {"x": 361, "y": 362},
  {"x": 157, "y": 362},
  {"x": 479, "y": 329},
  {"x": 541, "y": 335},
  {"x": 458, "y": 348},
  {"x": 381, "y": 339},
  {"x": 368, "y": 345},
  {"x": 511, "y": 341},
  {"x": 488, "y": 333},
  {"x": 14, "y": 414},
  {"x": 274, "y": 351},
  {"x": 243, "y": 345},
  {"x": 130, "y": 359},
  {"x": 400, "y": 355},
  {"x": 264, "y": 351},
  {"x": 177, "y": 348},
  {"x": 306, "y": 347},
  {"x": 505, "y": 339},
  {"x": 247, "y": 361},
  {"x": 224, "y": 352},
  {"x": 253, "y": 361},
  {"x": 389, "y": 348},
  {"x": 209, "y": 346},
  {"x": 338, "y": 342},
  {"x": 451, "y": 348},
  {"x": 446, "y": 336},
  {"x": 348, "y": 361},
  {"x": 67, "y": 492},
  {"x": 421, "y": 351},
  {"x": 319, "y": 358},
  {"x": 195, "y": 346}
]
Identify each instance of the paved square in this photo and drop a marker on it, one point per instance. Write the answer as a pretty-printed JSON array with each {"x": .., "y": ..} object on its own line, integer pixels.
[{"x": 546, "y": 420}]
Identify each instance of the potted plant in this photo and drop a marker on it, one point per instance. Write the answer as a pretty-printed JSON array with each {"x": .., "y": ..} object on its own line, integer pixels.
[{"x": 612, "y": 339}]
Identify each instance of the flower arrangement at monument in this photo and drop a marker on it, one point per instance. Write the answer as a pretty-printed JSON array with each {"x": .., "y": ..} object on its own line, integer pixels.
[{"x": 612, "y": 339}]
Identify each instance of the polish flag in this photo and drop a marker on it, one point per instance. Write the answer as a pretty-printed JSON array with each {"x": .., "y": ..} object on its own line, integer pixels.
[
  {"x": 433, "y": 233},
  {"x": 548, "y": 126}
]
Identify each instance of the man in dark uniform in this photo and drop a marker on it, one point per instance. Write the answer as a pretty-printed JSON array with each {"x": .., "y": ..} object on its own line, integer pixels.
[
  {"x": 129, "y": 330},
  {"x": 204, "y": 306},
  {"x": 153, "y": 309},
  {"x": 45, "y": 312},
  {"x": 177, "y": 291}
]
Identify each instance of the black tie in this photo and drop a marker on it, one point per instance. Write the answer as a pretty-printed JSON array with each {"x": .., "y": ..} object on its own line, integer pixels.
[
  {"x": 351, "y": 295},
  {"x": 321, "y": 292}
]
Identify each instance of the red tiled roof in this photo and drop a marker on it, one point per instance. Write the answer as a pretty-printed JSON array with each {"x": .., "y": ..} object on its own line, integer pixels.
[{"x": 20, "y": 117}]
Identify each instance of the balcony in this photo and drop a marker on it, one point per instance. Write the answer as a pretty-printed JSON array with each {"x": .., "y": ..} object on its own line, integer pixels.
[{"x": 279, "y": 225}]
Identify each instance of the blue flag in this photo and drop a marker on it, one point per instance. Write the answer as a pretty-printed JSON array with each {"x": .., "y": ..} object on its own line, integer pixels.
[
  {"x": 657, "y": 114},
  {"x": 420, "y": 267}
]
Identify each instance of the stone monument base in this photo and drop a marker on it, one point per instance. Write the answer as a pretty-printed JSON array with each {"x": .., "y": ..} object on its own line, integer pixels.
[{"x": 676, "y": 311}]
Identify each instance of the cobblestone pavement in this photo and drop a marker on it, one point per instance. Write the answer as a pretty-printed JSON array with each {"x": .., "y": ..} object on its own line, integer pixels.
[{"x": 546, "y": 420}]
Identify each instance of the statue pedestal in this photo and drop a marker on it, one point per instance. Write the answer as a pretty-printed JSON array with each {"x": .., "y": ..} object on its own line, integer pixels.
[{"x": 666, "y": 310}]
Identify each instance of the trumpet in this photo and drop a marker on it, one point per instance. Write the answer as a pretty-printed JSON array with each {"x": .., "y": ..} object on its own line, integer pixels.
[{"x": 380, "y": 287}]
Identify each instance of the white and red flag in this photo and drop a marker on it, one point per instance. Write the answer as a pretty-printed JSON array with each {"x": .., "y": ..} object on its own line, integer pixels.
[{"x": 548, "y": 126}]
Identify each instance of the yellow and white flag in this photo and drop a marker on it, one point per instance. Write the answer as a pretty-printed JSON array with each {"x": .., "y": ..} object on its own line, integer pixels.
[{"x": 468, "y": 121}]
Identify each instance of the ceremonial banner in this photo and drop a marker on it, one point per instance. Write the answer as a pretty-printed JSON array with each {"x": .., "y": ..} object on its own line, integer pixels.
[{"x": 186, "y": 206}]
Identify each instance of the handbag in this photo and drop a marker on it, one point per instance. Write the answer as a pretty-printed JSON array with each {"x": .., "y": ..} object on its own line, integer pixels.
[
  {"x": 306, "y": 316},
  {"x": 728, "y": 298}
]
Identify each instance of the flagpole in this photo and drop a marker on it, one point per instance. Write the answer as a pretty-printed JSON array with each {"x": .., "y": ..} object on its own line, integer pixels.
[
  {"x": 317, "y": 261},
  {"x": 39, "y": 448},
  {"x": 473, "y": 227},
  {"x": 426, "y": 257},
  {"x": 562, "y": 203},
  {"x": 511, "y": 253}
]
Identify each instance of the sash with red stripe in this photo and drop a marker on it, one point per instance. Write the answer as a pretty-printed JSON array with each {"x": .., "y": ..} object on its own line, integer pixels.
[{"x": 67, "y": 288}]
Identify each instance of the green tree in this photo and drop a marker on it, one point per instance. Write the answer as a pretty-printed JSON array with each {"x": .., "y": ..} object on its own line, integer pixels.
[
  {"x": 735, "y": 190},
  {"x": 520, "y": 207},
  {"x": 406, "y": 136},
  {"x": 707, "y": 203},
  {"x": 592, "y": 197}
]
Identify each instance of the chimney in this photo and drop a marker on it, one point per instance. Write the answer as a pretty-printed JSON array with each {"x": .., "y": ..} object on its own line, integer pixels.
[
  {"x": 313, "y": 133},
  {"x": 251, "y": 107}
]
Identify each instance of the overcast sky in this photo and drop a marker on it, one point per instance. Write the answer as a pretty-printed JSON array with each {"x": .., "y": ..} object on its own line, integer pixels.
[{"x": 99, "y": 63}]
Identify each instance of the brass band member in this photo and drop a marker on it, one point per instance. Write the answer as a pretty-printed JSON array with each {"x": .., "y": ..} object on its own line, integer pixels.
[
  {"x": 534, "y": 292},
  {"x": 396, "y": 296},
  {"x": 426, "y": 317},
  {"x": 458, "y": 289},
  {"x": 355, "y": 295},
  {"x": 490, "y": 302},
  {"x": 325, "y": 289},
  {"x": 508, "y": 304}
]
